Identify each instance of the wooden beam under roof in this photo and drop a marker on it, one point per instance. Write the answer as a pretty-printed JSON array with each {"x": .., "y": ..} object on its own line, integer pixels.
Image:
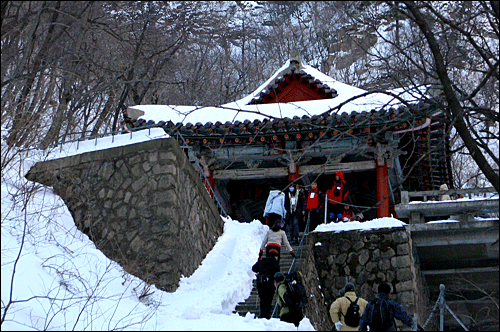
[{"x": 276, "y": 172}]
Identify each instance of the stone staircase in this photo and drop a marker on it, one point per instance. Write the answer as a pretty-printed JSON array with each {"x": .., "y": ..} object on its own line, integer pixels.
[{"x": 252, "y": 303}]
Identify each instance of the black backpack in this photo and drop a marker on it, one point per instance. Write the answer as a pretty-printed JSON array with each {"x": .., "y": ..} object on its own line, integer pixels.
[
  {"x": 378, "y": 315},
  {"x": 296, "y": 290},
  {"x": 352, "y": 316}
]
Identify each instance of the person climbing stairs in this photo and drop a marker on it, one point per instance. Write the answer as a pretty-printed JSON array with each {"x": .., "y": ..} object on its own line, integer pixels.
[{"x": 251, "y": 304}]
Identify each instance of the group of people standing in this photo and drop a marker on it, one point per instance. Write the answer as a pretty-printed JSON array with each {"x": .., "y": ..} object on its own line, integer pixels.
[{"x": 293, "y": 206}]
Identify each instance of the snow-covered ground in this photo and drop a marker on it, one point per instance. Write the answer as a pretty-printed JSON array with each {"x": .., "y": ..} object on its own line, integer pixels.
[{"x": 54, "y": 278}]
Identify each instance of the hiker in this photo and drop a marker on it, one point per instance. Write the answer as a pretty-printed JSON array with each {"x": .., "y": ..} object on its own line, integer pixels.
[
  {"x": 444, "y": 197},
  {"x": 265, "y": 269},
  {"x": 287, "y": 312},
  {"x": 347, "y": 213},
  {"x": 337, "y": 195},
  {"x": 380, "y": 313},
  {"x": 275, "y": 207},
  {"x": 339, "y": 309},
  {"x": 314, "y": 204},
  {"x": 275, "y": 238},
  {"x": 294, "y": 205}
]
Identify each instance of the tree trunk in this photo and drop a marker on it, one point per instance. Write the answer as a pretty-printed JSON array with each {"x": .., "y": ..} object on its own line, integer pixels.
[
  {"x": 52, "y": 135},
  {"x": 453, "y": 103}
]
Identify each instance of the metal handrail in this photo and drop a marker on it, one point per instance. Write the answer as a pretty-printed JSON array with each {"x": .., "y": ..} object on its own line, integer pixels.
[
  {"x": 441, "y": 302},
  {"x": 210, "y": 190}
]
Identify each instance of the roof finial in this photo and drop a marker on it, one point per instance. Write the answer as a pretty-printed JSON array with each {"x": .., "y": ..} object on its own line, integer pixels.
[{"x": 295, "y": 59}]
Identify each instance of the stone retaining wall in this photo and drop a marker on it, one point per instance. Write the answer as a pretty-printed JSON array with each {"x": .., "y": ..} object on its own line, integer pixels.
[
  {"x": 143, "y": 205},
  {"x": 365, "y": 258}
]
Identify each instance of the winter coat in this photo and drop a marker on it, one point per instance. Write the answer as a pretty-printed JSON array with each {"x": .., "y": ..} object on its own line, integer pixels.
[
  {"x": 347, "y": 214},
  {"x": 344, "y": 191},
  {"x": 278, "y": 238},
  {"x": 266, "y": 265},
  {"x": 275, "y": 203},
  {"x": 339, "y": 308},
  {"x": 280, "y": 298},
  {"x": 314, "y": 199},
  {"x": 396, "y": 311},
  {"x": 445, "y": 197},
  {"x": 299, "y": 206}
]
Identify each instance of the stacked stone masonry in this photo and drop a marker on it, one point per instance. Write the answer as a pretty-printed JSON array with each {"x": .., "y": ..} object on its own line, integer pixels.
[
  {"x": 365, "y": 258},
  {"x": 143, "y": 205}
]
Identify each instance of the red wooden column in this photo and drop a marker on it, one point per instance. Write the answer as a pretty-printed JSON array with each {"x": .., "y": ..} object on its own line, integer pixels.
[
  {"x": 293, "y": 172},
  {"x": 209, "y": 181},
  {"x": 382, "y": 188}
]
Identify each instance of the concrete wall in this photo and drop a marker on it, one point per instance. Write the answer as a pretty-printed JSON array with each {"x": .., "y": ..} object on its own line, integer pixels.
[
  {"x": 365, "y": 258},
  {"x": 143, "y": 205}
]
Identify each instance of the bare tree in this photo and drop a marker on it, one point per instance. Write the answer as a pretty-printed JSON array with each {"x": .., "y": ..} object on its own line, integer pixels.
[{"x": 476, "y": 31}]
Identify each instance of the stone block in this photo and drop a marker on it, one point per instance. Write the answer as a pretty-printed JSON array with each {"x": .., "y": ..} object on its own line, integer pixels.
[
  {"x": 401, "y": 261},
  {"x": 384, "y": 264},
  {"x": 405, "y": 286},
  {"x": 388, "y": 253},
  {"x": 403, "y": 249},
  {"x": 341, "y": 259},
  {"x": 400, "y": 236},
  {"x": 404, "y": 274},
  {"x": 364, "y": 256},
  {"x": 358, "y": 245},
  {"x": 371, "y": 267},
  {"x": 407, "y": 297}
]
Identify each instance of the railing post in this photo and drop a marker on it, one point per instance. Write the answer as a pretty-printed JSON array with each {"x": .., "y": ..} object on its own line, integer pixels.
[
  {"x": 405, "y": 197},
  {"x": 441, "y": 307}
]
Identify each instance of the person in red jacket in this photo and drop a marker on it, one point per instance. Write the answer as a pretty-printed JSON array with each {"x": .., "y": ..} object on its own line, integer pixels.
[
  {"x": 337, "y": 195},
  {"x": 347, "y": 214},
  {"x": 314, "y": 204}
]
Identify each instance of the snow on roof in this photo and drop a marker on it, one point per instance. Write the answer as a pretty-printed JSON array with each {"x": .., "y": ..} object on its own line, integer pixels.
[{"x": 240, "y": 111}]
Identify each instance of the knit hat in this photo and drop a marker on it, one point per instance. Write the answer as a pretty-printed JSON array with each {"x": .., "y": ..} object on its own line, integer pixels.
[
  {"x": 279, "y": 276},
  {"x": 349, "y": 287}
]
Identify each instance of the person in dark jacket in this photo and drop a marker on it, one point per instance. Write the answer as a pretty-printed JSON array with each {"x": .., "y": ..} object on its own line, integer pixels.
[
  {"x": 295, "y": 206},
  {"x": 265, "y": 269},
  {"x": 286, "y": 312},
  {"x": 394, "y": 310}
]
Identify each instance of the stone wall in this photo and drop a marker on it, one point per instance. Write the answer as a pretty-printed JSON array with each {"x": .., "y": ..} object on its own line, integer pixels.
[
  {"x": 143, "y": 205},
  {"x": 365, "y": 258}
]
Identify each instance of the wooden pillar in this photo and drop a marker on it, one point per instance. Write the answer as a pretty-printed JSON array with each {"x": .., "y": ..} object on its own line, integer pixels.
[
  {"x": 209, "y": 182},
  {"x": 293, "y": 172},
  {"x": 382, "y": 188}
]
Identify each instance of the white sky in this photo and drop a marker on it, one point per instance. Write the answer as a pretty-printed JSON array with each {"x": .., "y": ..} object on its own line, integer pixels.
[{"x": 59, "y": 261}]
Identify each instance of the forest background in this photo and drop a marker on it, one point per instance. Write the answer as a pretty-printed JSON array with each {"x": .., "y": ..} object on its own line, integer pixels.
[{"x": 70, "y": 69}]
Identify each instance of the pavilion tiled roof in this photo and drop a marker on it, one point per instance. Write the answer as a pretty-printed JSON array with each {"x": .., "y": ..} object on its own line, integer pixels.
[
  {"x": 296, "y": 128},
  {"x": 307, "y": 126}
]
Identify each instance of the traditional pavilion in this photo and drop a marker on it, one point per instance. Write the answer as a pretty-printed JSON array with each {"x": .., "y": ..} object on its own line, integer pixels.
[{"x": 302, "y": 126}]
